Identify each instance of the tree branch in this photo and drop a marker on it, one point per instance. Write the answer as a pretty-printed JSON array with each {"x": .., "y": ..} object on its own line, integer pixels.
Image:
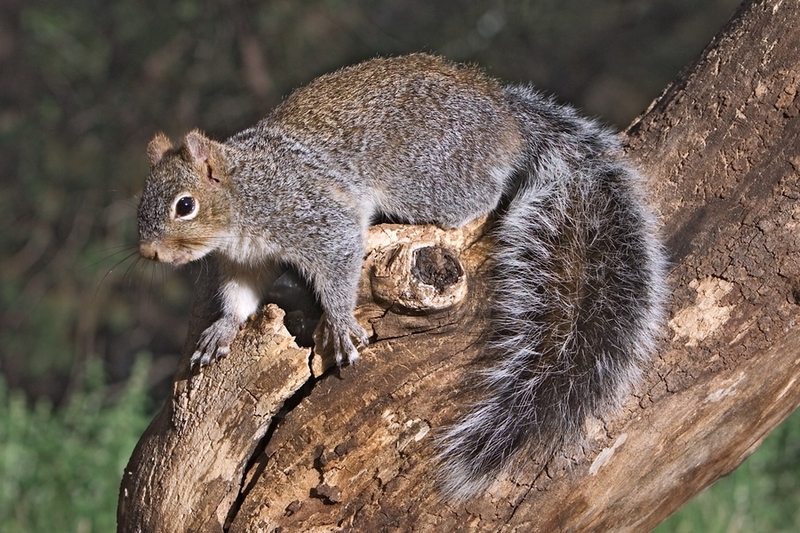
[{"x": 354, "y": 449}]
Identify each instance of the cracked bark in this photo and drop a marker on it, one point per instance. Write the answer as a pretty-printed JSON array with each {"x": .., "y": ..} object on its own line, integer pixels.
[{"x": 352, "y": 451}]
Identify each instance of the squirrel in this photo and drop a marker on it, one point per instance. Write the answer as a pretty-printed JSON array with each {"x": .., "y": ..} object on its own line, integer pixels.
[{"x": 578, "y": 277}]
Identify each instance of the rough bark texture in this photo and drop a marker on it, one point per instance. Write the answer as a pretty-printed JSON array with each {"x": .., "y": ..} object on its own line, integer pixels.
[{"x": 352, "y": 449}]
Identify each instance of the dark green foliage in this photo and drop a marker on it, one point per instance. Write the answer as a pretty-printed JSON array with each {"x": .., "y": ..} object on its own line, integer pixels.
[{"x": 60, "y": 468}]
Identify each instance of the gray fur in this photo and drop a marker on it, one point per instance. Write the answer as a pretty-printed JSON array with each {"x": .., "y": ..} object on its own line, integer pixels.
[{"x": 578, "y": 276}]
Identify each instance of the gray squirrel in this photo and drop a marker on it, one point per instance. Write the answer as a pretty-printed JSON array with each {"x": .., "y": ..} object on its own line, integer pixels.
[{"x": 578, "y": 277}]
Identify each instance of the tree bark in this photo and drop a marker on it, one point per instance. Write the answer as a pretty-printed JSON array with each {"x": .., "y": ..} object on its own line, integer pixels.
[{"x": 352, "y": 450}]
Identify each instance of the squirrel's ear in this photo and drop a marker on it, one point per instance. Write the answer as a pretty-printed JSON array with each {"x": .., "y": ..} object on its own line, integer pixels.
[
  {"x": 157, "y": 148},
  {"x": 201, "y": 149},
  {"x": 198, "y": 145}
]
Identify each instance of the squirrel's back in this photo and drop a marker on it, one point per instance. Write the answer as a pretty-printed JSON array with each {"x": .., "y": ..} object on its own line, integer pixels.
[{"x": 399, "y": 128}]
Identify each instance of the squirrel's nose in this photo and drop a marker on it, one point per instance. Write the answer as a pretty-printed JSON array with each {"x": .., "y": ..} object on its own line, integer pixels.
[{"x": 148, "y": 250}]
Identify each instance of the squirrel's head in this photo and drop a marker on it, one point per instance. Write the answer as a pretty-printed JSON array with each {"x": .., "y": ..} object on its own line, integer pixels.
[{"x": 185, "y": 208}]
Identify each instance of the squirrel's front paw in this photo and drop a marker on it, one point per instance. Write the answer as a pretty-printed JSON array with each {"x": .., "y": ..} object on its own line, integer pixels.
[
  {"x": 215, "y": 342},
  {"x": 337, "y": 335}
]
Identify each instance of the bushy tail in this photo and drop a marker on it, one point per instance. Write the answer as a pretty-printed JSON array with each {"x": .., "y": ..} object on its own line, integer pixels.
[{"x": 578, "y": 297}]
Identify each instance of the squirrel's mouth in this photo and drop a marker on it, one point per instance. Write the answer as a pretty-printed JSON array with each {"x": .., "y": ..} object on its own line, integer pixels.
[{"x": 157, "y": 251}]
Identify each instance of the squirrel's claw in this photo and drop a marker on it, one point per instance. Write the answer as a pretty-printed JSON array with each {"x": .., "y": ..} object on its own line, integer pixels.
[
  {"x": 338, "y": 338},
  {"x": 215, "y": 342}
]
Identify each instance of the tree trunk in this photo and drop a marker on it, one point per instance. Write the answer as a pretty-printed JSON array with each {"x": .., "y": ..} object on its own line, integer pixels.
[{"x": 256, "y": 442}]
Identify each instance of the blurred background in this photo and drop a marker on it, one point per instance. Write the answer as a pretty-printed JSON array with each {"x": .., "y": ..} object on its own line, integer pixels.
[{"x": 89, "y": 337}]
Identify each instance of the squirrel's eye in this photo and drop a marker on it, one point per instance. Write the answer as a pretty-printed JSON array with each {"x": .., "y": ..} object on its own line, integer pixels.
[{"x": 184, "y": 206}]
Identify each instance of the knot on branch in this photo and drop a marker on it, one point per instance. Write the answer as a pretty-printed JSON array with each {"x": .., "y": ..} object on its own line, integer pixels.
[{"x": 418, "y": 277}]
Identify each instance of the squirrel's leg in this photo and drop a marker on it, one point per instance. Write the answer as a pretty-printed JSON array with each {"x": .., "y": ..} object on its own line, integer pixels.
[
  {"x": 337, "y": 293},
  {"x": 334, "y": 269},
  {"x": 241, "y": 291}
]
